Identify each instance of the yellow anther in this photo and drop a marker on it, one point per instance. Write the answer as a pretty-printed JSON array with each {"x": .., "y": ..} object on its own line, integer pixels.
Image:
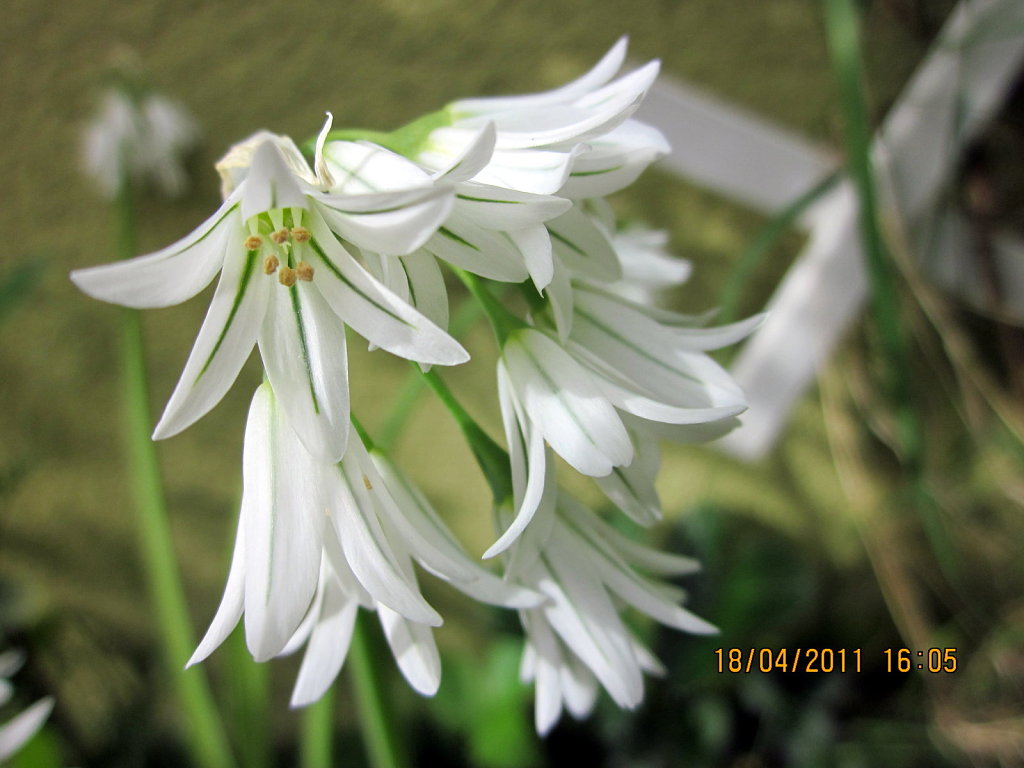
[
  {"x": 280, "y": 236},
  {"x": 367, "y": 483},
  {"x": 286, "y": 276},
  {"x": 270, "y": 264},
  {"x": 304, "y": 271},
  {"x": 301, "y": 234},
  {"x": 253, "y": 243}
]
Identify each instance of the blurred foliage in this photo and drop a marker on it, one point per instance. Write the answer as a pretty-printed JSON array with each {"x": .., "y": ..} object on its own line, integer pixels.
[{"x": 814, "y": 547}]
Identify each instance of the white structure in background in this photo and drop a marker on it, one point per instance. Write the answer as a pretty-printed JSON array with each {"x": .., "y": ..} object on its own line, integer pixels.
[
  {"x": 955, "y": 91},
  {"x": 22, "y": 727}
]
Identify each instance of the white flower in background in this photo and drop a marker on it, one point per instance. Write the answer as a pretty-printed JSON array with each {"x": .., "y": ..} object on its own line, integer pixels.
[
  {"x": 288, "y": 282},
  {"x": 23, "y": 726},
  {"x": 577, "y": 639},
  {"x": 142, "y": 137},
  {"x": 575, "y": 141},
  {"x": 315, "y": 538}
]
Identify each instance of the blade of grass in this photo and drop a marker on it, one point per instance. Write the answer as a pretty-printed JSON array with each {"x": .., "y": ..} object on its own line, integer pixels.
[
  {"x": 206, "y": 737},
  {"x": 842, "y": 27}
]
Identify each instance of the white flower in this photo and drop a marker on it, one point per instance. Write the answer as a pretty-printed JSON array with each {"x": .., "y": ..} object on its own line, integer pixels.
[
  {"x": 623, "y": 377},
  {"x": 23, "y": 726},
  {"x": 288, "y": 282},
  {"x": 575, "y": 141},
  {"x": 143, "y": 137},
  {"x": 315, "y": 538},
  {"x": 577, "y": 639},
  {"x": 491, "y": 231}
]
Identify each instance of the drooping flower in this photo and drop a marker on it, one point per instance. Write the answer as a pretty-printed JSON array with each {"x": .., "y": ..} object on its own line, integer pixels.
[
  {"x": 289, "y": 282},
  {"x": 577, "y": 639},
  {"x": 139, "y": 136},
  {"x": 315, "y": 539},
  {"x": 576, "y": 141}
]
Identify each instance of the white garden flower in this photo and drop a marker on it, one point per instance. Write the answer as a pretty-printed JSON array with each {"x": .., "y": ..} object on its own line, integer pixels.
[
  {"x": 621, "y": 378},
  {"x": 491, "y": 231},
  {"x": 577, "y": 639},
  {"x": 576, "y": 141},
  {"x": 19, "y": 729},
  {"x": 309, "y": 528},
  {"x": 289, "y": 282},
  {"x": 142, "y": 137}
]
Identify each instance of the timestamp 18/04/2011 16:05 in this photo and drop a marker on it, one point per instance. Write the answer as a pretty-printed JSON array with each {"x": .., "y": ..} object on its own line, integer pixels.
[{"x": 818, "y": 660}]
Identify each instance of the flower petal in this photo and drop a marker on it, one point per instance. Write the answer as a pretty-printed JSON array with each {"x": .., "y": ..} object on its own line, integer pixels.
[
  {"x": 362, "y": 168},
  {"x": 16, "y": 732},
  {"x": 171, "y": 275},
  {"x": 223, "y": 344},
  {"x": 327, "y": 648},
  {"x": 283, "y": 516},
  {"x": 483, "y": 252},
  {"x": 374, "y": 311},
  {"x": 503, "y": 209},
  {"x": 270, "y": 184},
  {"x": 303, "y": 348},
  {"x": 412, "y": 644},
  {"x": 230, "y": 609},
  {"x": 584, "y": 247}
]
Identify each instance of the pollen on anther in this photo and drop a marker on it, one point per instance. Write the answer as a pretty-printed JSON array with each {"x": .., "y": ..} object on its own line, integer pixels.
[
  {"x": 280, "y": 236},
  {"x": 301, "y": 234},
  {"x": 253, "y": 243},
  {"x": 367, "y": 483},
  {"x": 270, "y": 264},
  {"x": 304, "y": 271},
  {"x": 286, "y": 276}
]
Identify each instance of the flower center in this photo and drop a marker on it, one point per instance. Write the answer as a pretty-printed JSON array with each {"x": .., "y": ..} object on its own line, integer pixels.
[{"x": 280, "y": 238}]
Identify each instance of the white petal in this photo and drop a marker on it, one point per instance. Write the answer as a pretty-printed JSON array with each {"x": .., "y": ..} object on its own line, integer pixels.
[
  {"x": 427, "y": 291},
  {"x": 387, "y": 222},
  {"x": 327, "y": 647},
  {"x": 584, "y": 248},
  {"x": 600, "y": 74},
  {"x": 360, "y": 168},
  {"x": 615, "y": 160},
  {"x": 503, "y": 209},
  {"x": 367, "y": 549},
  {"x": 271, "y": 183},
  {"x": 470, "y": 162},
  {"x": 434, "y": 546},
  {"x": 374, "y": 311},
  {"x": 412, "y": 645},
  {"x": 230, "y": 609},
  {"x": 224, "y": 341},
  {"x": 701, "y": 339},
  {"x": 547, "y": 661},
  {"x": 542, "y": 172},
  {"x": 563, "y": 402},
  {"x": 283, "y": 515},
  {"x": 11, "y": 661},
  {"x": 17, "y": 731},
  {"x": 481, "y": 251},
  {"x": 171, "y": 275},
  {"x": 562, "y": 300},
  {"x": 579, "y": 687},
  {"x": 631, "y": 488},
  {"x": 534, "y": 244},
  {"x": 303, "y": 348}
]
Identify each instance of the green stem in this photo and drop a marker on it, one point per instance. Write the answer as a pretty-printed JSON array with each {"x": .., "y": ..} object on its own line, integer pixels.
[
  {"x": 383, "y": 746},
  {"x": 502, "y": 321},
  {"x": 842, "y": 25},
  {"x": 318, "y": 732},
  {"x": 207, "y": 738}
]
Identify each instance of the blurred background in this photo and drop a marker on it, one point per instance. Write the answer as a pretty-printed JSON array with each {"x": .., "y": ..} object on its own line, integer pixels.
[{"x": 833, "y": 540}]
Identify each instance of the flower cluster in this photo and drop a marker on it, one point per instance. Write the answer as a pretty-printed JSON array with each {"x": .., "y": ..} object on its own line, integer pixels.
[{"x": 496, "y": 190}]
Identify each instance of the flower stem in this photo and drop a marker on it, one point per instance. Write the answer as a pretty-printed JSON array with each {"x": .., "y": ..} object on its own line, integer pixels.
[
  {"x": 383, "y": 747},
  {"x": 502, "y": 321},
  {"x": 207, "y": 739},
  {"x": 318, "y": 732}
]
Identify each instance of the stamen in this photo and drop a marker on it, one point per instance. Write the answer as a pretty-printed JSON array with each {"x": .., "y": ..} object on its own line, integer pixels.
[
  {"x": 367, "y": 483},
  {"x": 304, "y": 271},
  {"x": 286, "y": 276},
  {"x": 280, "y": 236},
  {"x": 301, "y": 234},
  {"x": 270, "y": 264},
  {"x": 253, "y": 243}
]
